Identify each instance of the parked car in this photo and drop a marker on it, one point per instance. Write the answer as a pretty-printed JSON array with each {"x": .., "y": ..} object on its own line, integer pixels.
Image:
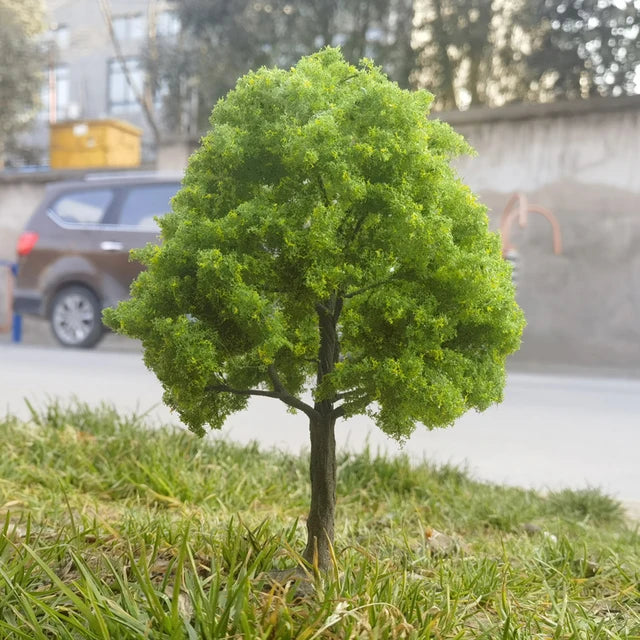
[{"x": 73, "y": 256}]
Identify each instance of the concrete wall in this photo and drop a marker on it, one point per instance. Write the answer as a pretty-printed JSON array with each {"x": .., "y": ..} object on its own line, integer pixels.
[
  {"x": 173, "y": 155},
  {"x": 18, "y": 199},
  {"x": 581, "y": 162}
]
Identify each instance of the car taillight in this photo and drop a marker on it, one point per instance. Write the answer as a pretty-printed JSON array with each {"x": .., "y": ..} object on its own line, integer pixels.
[{"x": 26, "y": 242}]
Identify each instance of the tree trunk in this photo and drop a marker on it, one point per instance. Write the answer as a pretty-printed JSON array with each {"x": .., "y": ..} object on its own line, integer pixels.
[
  {"x": 322, "y": 466},
  {"x": 448, "y": 72},
  {"x": 474, "y": 80},
  {"x": 403, "y": 40}
]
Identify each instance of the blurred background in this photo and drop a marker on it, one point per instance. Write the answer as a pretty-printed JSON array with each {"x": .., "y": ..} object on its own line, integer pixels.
[{"x": 545, "y": 90}]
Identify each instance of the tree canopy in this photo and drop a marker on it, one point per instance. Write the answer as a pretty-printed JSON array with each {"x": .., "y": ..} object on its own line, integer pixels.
[{"x": 325, "y": 189}]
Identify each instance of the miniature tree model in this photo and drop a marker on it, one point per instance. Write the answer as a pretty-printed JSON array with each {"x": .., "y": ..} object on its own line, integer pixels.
[{"x": 321, "y": 242}]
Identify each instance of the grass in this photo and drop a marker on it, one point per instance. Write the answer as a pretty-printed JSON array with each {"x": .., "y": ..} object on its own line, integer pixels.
[{"x": 109, "y": 529}]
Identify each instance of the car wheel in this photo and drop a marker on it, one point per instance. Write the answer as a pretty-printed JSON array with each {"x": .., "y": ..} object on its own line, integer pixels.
[{"x": 75, "y": 317}]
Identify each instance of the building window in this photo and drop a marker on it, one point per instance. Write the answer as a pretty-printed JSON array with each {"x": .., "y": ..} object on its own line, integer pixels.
[
  {"x": 55, "y": 94},
  {"x": 168, "y": 24},
  {"x": 129, "y": 27},
  {"x": 121, "y": 98}
]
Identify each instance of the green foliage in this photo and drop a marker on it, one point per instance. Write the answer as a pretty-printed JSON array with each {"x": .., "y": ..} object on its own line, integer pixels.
[{"x": 324, "y": 194}]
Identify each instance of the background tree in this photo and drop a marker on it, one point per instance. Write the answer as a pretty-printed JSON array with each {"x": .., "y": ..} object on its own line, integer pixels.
[
  {"x": 468, "y": 52},
  {"x": 222, "y": 40},
  {"x": 322, "y": 244},
  {"x": 21, "y": 69},
  {"x": 474, "y": 52},
  {"x": 457, "y": 50},
  {"x": 378, "y": 29},
  {"x": 582, "y": 48}
]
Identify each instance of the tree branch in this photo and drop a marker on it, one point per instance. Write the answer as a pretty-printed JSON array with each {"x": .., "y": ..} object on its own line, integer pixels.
[
  {"x": 287, "y": 397},
  {"x": 343, "y": 395},
  {"x": 337, "y": 309},
  {"x": 283, "y": 395},
  {"x": 349, "y": 77},
  {"x": 323, "y": 309},
  {"x": 223, "y": 388},
  {"x": 358, "y": 292},
  {"x": 323, "y": 190},
  {"x": 350, "y": 395},
  {"x": 338, "y": 412},
  {"x": 359, "y": 223}
]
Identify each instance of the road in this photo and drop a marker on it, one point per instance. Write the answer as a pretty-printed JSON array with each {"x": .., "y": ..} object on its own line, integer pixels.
[{"x": 550, "y": 432}]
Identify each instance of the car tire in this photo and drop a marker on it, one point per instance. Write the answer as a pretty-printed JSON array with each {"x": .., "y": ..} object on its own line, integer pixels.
[{"x": 75, "y": 316}]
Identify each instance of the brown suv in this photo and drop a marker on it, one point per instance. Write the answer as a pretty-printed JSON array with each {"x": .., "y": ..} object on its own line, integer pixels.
[{"x": 73, "y": 257}]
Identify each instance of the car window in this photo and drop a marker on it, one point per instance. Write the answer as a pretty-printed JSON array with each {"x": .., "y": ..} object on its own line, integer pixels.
[
  {"x": 83, "y": 207},
  {"x": 141, "y": 204}
]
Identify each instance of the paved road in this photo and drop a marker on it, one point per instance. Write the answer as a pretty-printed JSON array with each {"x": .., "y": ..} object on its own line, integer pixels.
[{"x": 550, "y": 432}]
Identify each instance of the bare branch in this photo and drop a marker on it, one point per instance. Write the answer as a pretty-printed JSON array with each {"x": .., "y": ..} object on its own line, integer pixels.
[{"x": 283, "y": 396}]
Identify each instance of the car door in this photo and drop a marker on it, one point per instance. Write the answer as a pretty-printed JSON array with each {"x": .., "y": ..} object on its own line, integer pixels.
[
  {"x": 131, "y": 225},
  {"x": 68, "y": 250}
]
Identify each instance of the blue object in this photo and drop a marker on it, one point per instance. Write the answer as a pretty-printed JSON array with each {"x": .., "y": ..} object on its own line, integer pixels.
[{"x": 16, "y": 328}]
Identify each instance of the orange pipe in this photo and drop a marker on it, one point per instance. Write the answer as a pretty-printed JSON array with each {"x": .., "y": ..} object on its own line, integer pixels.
[
  {"x": 523, "y": 210},
  {"x": 555, "y": 226}
]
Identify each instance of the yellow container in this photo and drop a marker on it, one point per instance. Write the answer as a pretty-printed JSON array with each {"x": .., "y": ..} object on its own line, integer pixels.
[{"x": 80, "y": 144}]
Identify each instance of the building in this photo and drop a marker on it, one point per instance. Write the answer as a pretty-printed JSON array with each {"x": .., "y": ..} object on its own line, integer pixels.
[{"x": 86, "y": 79}]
